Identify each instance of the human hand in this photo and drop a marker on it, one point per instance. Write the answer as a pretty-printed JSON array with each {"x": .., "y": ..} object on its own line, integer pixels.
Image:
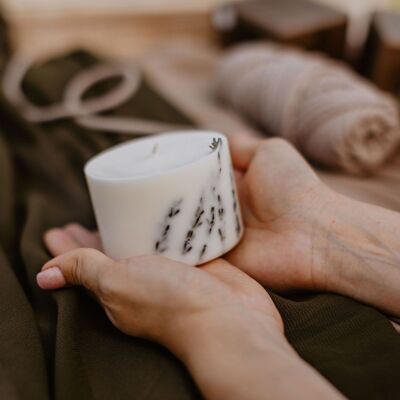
[
  {"x": 282, "y": 201},
  {"x": 299, "y": 234},
  {"x": 152, "y": 296},
  {"x": 220, "y": 322}
]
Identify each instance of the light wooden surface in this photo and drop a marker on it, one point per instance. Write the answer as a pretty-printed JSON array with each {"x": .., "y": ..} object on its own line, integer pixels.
[
  {"x": 113, "y": 35},
  {"x": 116, "y": 28},
  {"x": 125, "y": 28},
  {"x": 34, "y": 8}
]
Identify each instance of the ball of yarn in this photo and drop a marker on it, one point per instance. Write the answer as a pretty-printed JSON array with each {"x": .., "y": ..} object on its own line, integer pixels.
[{"x": 332, "y": 115}]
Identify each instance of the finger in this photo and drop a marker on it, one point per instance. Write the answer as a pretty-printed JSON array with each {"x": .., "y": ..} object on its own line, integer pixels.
[
  {"x": 239, "y": 175},
  {"x": 59, "y": 242},
  {"x": 83, "y": 236},
  {"x": 276, "y": 159},
  {"x": 242, "y": 191},
  {"x": 85, "y": 267},
  {"x": 243, "y": 148},
  {"x": 396, "y": 326}
]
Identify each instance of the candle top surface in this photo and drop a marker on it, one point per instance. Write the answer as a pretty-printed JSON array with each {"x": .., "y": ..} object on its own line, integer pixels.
[{"x": 151, "y": 156}]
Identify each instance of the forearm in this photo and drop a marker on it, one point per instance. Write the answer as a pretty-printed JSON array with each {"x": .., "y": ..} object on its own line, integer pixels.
[
  {"x": 362, "y": 253},
  {"x": 248, "y": 358}
]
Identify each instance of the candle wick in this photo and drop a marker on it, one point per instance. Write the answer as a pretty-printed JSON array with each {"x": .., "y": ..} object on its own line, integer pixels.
[{"x": 155, "y": 149}]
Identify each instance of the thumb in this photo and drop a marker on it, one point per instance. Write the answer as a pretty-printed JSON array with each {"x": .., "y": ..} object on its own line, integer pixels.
[
  {"x": 243, "y": 148},
  {"x": 85, "y": 267}
]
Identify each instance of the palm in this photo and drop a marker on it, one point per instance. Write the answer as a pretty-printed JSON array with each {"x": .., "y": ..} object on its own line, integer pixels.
[
  {"x": 217, "y": 286},
  {"x": 280, "y": 210}
]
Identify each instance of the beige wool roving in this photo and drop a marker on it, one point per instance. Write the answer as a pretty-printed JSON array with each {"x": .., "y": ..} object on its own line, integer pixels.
[{"x": 332, "y": 115}]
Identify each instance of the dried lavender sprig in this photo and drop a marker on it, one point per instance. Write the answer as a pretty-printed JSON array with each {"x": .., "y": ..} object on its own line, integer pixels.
[{"x": 161, "y": 244}]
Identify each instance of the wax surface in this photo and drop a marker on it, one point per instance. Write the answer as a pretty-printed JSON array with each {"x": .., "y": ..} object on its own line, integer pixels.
[
  {"x": 172, "y": 194},
  {"x": 149, "y": 157}
]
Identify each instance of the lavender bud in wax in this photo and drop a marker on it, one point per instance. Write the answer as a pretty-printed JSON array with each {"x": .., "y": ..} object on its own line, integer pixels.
[{"x": 172, "y": 194}]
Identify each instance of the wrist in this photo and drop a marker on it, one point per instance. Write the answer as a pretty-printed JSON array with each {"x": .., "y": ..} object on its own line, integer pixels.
[
  {"x": 361, "y": 253},
  {"x": 239, "y": 355},
  {"x": 221, "y": 331}
]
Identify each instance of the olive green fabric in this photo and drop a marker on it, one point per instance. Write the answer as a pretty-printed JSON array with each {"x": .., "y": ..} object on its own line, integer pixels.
[{"x": 60, "y": 345}]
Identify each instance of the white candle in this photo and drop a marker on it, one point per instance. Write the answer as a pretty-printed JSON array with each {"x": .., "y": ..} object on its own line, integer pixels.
[{"x": 172, "y": 194}]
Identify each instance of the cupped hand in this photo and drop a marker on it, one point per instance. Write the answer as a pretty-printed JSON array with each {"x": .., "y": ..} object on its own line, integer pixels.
[
  {"x": 300, "y": 234},
  {"x": 154, "y": 297},
  {"x": 220, "y": 322},
  {"x": 282, "y": 202}
]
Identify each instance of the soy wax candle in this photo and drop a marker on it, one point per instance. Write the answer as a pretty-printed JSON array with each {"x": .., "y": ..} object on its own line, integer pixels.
[{"x": 172, "y": 194}]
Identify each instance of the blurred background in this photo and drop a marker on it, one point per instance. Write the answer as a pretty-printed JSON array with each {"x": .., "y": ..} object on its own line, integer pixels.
[{"x": 126, "y": 27}]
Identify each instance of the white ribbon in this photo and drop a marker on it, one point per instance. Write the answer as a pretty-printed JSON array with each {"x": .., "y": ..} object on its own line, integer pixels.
[{"x": 84, "y": 112}]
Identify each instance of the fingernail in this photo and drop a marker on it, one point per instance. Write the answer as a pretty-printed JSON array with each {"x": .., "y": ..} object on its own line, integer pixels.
[{"x": 51, "y": 278}]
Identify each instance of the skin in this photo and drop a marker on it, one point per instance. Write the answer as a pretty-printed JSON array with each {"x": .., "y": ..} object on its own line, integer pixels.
[
  {"x": 218, "y": 319},
  {"x": 325, "y": 241}
]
